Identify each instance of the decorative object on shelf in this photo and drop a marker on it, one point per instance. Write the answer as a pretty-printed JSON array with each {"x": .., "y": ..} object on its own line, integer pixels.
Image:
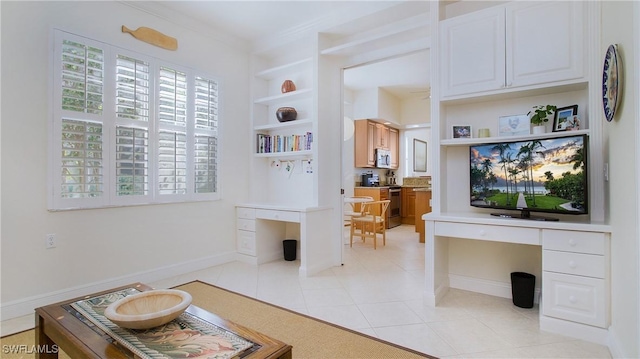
[
  {"x": 564, "y": 118},
  {"x": 513, "y": 125},
  {"x": 484, "y": 132},
  {"x": 539, "y": 115},
  {"x": 285, "y": 114},
  {"x": 287, "y": 86},
  {"x": 153, "y": 37},
  {"x": 419, "y": 155},
  {"x": 611, "y": 82},
  {"x": 461, "y": 131}
]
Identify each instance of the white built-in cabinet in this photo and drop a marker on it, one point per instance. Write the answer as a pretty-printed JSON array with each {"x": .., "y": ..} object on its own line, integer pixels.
[
  {"x": 501, "y": 61},
  {"x": 506, "y": 47}
]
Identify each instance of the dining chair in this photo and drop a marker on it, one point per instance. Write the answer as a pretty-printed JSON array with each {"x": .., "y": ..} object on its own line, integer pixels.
[
  {"x": 354, "y": 208},
  {"x": 371, "y": 223}
]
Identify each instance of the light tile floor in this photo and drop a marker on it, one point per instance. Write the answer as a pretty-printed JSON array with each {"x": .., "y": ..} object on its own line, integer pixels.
[{"x": 379, "y": 293}]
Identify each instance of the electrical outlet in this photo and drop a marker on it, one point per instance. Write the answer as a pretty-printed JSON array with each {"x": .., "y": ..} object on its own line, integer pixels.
[{"x": 50, "y": 240}]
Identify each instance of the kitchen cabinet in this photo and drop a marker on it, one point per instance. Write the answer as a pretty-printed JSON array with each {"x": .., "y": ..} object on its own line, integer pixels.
[
  {"x": 382, "y": 136},
  {"x": 423, "y": 206},
  {"x": 370, "y": 135},
  {"x": 505, "y": 47},
  {"x": 377, "y": 193},
  {"x": 408, "y": 211},
  {"x": 364, "y": 144},
  {"x": 394, "y": 147}
]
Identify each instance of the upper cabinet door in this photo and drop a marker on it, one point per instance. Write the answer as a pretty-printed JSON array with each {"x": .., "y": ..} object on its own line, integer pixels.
[
  {"x": 545, "y": 42},
  {"x": 472, "y": 52}
]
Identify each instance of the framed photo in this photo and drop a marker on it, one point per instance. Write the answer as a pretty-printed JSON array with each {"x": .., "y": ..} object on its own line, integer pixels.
[
  {"x": 514, "y": 125},
  {"x": 461, "y": 131},
  {"x": 419, "y": 156},
  {"x": 564, "y": 120}
]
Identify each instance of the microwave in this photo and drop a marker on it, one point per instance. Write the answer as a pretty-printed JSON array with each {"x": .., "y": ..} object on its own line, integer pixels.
[{"x": 383, "y": 158}]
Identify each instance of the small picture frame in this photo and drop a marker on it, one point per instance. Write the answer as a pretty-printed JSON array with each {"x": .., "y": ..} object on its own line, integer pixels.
[
  {"x": 461, "y": 131},
  {"x": 514, "y": 125},
  {"x": 566, "y": 119}
]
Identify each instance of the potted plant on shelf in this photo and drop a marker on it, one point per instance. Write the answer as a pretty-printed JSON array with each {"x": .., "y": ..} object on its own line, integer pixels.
[{"x": 539, "y": 116}]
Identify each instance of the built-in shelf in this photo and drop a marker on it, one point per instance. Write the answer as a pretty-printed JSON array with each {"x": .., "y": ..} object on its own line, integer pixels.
[
  {"x": 305, "y": 153},
  {"x": 284, "y": 125},
  {"x": 286, "y": 69},
  {"x": 482, "y": 140},
  {"x": 516, "y": 92},
  {"x": 288, "y": 96}
]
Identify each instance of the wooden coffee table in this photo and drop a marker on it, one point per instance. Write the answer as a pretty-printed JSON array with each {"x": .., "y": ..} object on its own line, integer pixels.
[{"x": 57, "y": 327}]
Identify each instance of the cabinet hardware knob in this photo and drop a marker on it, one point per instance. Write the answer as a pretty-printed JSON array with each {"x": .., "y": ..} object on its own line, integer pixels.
[
  {"x": 572, "y": 299},
  {"x": 572, "y": 242},
  {"x": 483, "y": 232},
  {"x": 572, "y": 264}
]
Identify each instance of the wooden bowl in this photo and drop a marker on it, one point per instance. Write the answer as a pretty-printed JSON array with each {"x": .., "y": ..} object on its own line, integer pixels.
[{"x": 148, "y": 309}]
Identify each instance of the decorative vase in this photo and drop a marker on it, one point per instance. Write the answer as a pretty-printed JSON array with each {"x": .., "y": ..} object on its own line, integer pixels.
[
  {"x": 539, "y": 129},
  {"x": 288, "y": 86},
  {"x": 285, "y": 114}
]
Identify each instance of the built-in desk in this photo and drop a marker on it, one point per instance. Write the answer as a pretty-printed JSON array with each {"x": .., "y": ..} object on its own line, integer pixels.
[
  {"x": 261, "y": 228},
  {"x": 575, "y": 267}
]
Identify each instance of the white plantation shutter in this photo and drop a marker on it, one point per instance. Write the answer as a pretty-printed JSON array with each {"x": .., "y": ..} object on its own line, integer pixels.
[
  {"x": 172, "y": 163},
  {"x": 81, "y": 151},
  {"x": 82, "y": 77},
  {"x": 132, "y": 89},
  {"x": 172, "y": 97},
  {"x": 206, "y": 104},
  {"x": 128, "y": 129},
  {"x": 206, "y": 132},
  {"x": 205, "y": 164},
  {"x": 132, "y": 161}
]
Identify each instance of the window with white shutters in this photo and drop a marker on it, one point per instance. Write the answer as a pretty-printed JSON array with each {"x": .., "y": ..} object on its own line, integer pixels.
[{"x": 129, "y": 129}]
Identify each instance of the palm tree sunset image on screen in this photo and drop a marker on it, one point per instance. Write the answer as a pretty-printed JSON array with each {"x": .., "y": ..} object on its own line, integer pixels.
[{"x": 540, "y": 175}]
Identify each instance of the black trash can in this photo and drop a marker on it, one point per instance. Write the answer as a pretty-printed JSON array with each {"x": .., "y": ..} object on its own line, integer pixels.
[
  {"x": 290, "y": 247},
  {"x": 522, "y": 289}
]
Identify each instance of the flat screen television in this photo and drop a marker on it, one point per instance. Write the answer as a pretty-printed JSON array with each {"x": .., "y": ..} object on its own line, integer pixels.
[{"x": 538, "y": 175}]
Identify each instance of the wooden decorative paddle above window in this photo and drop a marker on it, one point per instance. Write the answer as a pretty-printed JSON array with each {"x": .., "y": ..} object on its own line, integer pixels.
[{"x": 153, "y": 37}]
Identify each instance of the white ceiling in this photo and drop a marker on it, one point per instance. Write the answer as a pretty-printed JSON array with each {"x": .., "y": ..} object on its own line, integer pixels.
[{"x": 404, "y": 76}]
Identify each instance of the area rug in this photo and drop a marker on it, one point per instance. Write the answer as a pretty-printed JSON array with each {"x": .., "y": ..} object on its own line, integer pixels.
[{"x": 309, "y": 337}]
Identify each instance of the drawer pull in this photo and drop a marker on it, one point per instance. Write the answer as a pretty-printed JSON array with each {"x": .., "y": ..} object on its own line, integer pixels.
[
  {"x": 572, "y": 242},
  {"x": 483, "y": 232},
  {"x": 572, "y": 264},
  {"x": 572, "y": 299}
]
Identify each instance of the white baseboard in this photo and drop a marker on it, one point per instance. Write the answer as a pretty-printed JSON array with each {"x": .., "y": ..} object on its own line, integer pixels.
[
  {"x": 26, "y": 306},
  {"x": 614, "y": 346},
  {"x": 494, "y": 288},
  {"x": 575, "y": 330}
]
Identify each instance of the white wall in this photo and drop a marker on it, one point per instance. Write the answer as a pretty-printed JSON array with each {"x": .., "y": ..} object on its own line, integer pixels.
[
  {"x": 101, "y": 247},
  {"x": 618, "y": 19}
]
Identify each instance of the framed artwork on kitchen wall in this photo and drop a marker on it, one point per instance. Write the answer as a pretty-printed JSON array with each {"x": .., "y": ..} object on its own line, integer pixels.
[{"x": 419, "y": 156}]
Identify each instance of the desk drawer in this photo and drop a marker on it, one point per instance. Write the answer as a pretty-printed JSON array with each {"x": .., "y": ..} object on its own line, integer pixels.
[
  {"x": 246, "y": 242},
  {"x": 574, "y": 263},
  {"x": 285, "y": 216},
  {"x": 246, "y": 224},
  {"x": 488, "y": 232},
  {"x": 574, "y": 241},
  {"x": 245, "y": 212},
  {"x": 575, "y": 298}
]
